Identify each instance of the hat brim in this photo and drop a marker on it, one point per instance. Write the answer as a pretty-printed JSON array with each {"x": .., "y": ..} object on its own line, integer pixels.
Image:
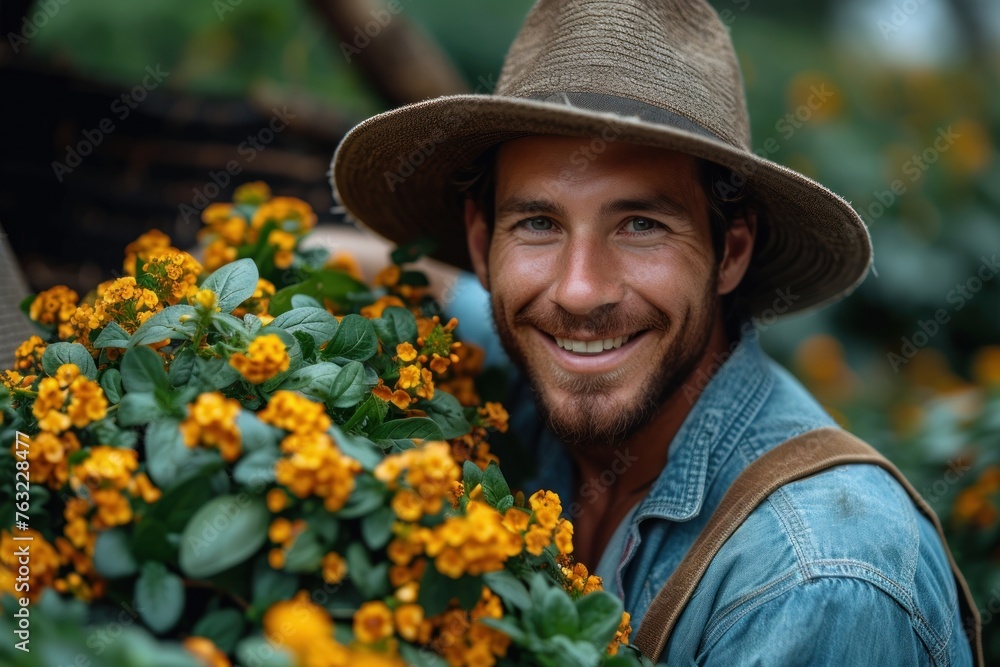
[{"x": 395, "y": 174}]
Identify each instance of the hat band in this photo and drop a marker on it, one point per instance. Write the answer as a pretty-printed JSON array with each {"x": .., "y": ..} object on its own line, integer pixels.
[{"x": 624, "y": 106}]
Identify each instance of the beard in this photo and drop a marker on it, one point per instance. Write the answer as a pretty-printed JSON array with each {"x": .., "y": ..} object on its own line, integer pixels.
[{"x": 592, "y": 416}]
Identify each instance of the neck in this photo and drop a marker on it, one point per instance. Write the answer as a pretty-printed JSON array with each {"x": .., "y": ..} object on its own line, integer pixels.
[{"x": 648, "y": 446}]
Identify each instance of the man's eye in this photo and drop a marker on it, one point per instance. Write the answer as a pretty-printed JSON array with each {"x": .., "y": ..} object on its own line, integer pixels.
[
  {"x": 641, "y": 225},
  {"x": 537, "y": 224}
]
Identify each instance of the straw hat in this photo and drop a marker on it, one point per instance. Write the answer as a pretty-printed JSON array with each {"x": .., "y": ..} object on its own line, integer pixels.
[{"x": 654, "y": 72}]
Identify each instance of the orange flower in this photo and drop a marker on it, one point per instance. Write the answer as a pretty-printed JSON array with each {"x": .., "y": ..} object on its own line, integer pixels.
[{"x": 372, "y": 622}]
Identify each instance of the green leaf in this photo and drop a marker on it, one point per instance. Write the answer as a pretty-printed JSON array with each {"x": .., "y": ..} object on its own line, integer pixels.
[
  {"x": 411, "y": 252},
  {"x": 448, "y": 413},
  {"x": 305, "y": 301},
  {"x": 376, "y": 528},
  {"x": 411, "y": 427},
  {"x": 415, "y": 278},
  {"x": 510, "y": 589},
  {"x": 152, "y": 541},
  {"x": 58, "y": 354},
  {"x": 371, "y": 580},
  {"x": 317, "y": 322},
  {"x": 559, "y": 615},
  {"x": 182, "y": 500},
  {"x": 418, "y": 656},
  {"x": 505, "y": 503},
  {"x": 233, "y": 283},
  {"x": 159, "y": 597},
  {"x": 494, "y": 485},
  {"x": 471, "y": 476},
  {"x": 368, "y": 495},
  {"x": 600, "y": 614},
  {"x": 112, "y": 557},
  {"x": 223, "y": 533},
  {"x": 139, "y": 408},
  {"x": 394, "y": 327},
  {"x": 566, "y": 651},
  {"x": 326, "y": 283},
  {"x": 313, "y": 380},
  {"x": 182, "y": 367},
  {"x": 351, "y": 385},
  {"x": 142, "y": 371},
  {"x": 255, "y": 434},
  {"x": 261, "y": 652},
  {"x": 306, "y": 553},
  {"x": 257, "y": 467},
  {"x": 168, "y": 459},
  {"x": 368, "y": 415},
  {"x": 359, "y": 448},
  {"x": 166, "y": 324},
  {"x": 355, "y": 339},
  {"x": 222, "y": 626},
  {"x": 111, "y": 383},
  {"x": 508, "y": 627},
  {"x": 112, "y": 335},
  {"x": 269, "y": 585}
]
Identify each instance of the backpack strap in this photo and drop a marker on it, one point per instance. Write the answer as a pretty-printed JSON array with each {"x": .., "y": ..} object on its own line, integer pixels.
[{"x": 795, "y": 459}]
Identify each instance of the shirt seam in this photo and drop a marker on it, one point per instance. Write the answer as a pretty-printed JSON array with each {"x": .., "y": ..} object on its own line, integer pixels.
[{"x": 716, "y": 630}]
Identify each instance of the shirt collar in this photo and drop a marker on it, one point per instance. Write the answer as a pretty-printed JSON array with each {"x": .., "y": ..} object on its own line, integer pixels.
[{"x": 708, "y": 434}]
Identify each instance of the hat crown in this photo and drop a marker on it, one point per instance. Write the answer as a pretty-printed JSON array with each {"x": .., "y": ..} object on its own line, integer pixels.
[{"x": 674, "y": 55}]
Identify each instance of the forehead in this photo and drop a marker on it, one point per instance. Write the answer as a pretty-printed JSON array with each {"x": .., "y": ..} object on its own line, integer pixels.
[{"x": 553, "y": 161}]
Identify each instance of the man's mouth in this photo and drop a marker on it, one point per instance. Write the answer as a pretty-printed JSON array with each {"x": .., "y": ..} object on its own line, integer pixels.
[{"x": 593, "y": 346}]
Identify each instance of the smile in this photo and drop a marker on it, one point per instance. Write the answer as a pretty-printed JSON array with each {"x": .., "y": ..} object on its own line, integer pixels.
[{"x": 591, "y": 346}]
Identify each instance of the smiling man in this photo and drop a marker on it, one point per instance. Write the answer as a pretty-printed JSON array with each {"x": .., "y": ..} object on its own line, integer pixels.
[{"x": 627, "y": 236}]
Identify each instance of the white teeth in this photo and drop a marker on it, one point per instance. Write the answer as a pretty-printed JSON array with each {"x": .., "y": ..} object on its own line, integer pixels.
[{"x": 591, "y": 346}]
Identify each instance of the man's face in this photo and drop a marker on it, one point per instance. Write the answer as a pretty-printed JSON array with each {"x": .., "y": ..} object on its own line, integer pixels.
[{"x": 610, "y": 257}]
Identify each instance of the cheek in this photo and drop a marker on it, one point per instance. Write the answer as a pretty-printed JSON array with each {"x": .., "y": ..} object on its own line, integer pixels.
[
  {"x": 518, "y": 274},
  {"x": 669, "y": 278}
]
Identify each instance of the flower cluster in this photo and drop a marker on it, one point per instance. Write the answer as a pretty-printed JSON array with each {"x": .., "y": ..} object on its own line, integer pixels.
[
  {"x": 266, "y": 357},
  {"x": 260, "y": 414}
]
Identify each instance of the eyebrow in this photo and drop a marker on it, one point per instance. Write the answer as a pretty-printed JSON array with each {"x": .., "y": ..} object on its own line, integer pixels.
[{"x": 657, "y": 203}]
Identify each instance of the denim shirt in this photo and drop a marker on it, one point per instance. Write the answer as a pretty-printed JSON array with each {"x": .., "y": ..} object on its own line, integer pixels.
[{"x": 839, "y": 568}]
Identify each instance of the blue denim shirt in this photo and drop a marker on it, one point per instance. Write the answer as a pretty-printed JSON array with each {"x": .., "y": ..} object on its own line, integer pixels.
[{"x": 837, "y": 569}]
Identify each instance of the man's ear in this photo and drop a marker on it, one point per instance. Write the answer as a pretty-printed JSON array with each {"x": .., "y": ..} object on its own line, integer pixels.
[
  {"x": 477, "y": 235},
  {"x": 738, "y": 251}
]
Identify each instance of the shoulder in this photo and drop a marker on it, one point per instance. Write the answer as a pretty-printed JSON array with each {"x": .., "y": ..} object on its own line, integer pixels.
[{"x": 849, "y": 537}]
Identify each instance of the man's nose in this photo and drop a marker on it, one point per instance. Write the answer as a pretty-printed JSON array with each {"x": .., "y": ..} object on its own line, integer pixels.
[{"x": 589, "y": 276}]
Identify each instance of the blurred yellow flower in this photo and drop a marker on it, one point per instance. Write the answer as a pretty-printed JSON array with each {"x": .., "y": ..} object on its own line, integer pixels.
[{"x": 266, "y": 357}]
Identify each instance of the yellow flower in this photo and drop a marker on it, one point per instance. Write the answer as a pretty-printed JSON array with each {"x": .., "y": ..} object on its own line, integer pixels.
[
  {"x": 87, "y": 403},
  {"x": 124, "y": 302},
  {"x": 516, "y": 520},
  {"x": 48, "y": 455},
  {"x": 475, "y": 543},
  {"x": 55, "y": 307},
  {"x": 564, "y": 536},
  {"x": 292, "y": 215},
  {"x": 152, "y": 241},
  {"x": 313, "y": 465},
  {"x": 546, "y": 508},
  {"x": 578, "y": 581},
  {"x": 217, "y": 254},
  {"x": 28, "y": 355},
  {"x": 495, "y": 416},
  {"x": 105, "y": 467},
  {"x": 206, "y": 652},
  {"x": 334, "y": 568},
  {"x": 388, "y": 277},
  {"x": 409, "y": 377},
  {"x": 141, "y": 487},
  {"x": 296, "y": 413},
  {"x": 406, "y": 352},
  {"x": 258, "y": 301},
  {"x": 986, "y": 366},
  {"x": 44, "y": 564},
  {"x": 346, "y": 263},
  {"x": 407, "y": 505},
  {"x": 376, "y": 309},
  {"x": 207, "y": 299},
  {"x": 265, "y": 358},
  {"x": 284, "y": 244},
  {"x": 622, "y": 635},
  {"x": 536, "y": 539},
  {"x": 174, "y": 273},
  {"x": 305, "y": 629},
  {"x": 253, "y": 193},
  {"x": 372, "y": 622},
  {"x": 277, "y": 500},
  {"x": 409, "y": 618},
  {"x": 211, "y": 422}
]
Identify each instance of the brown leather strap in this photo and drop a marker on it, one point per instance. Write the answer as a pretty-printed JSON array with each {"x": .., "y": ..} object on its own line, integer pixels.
[{"x": 792, "y": 460}]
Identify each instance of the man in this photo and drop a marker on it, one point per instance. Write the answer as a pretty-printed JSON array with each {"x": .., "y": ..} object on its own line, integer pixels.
[{"x": 627, "y": 236}]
